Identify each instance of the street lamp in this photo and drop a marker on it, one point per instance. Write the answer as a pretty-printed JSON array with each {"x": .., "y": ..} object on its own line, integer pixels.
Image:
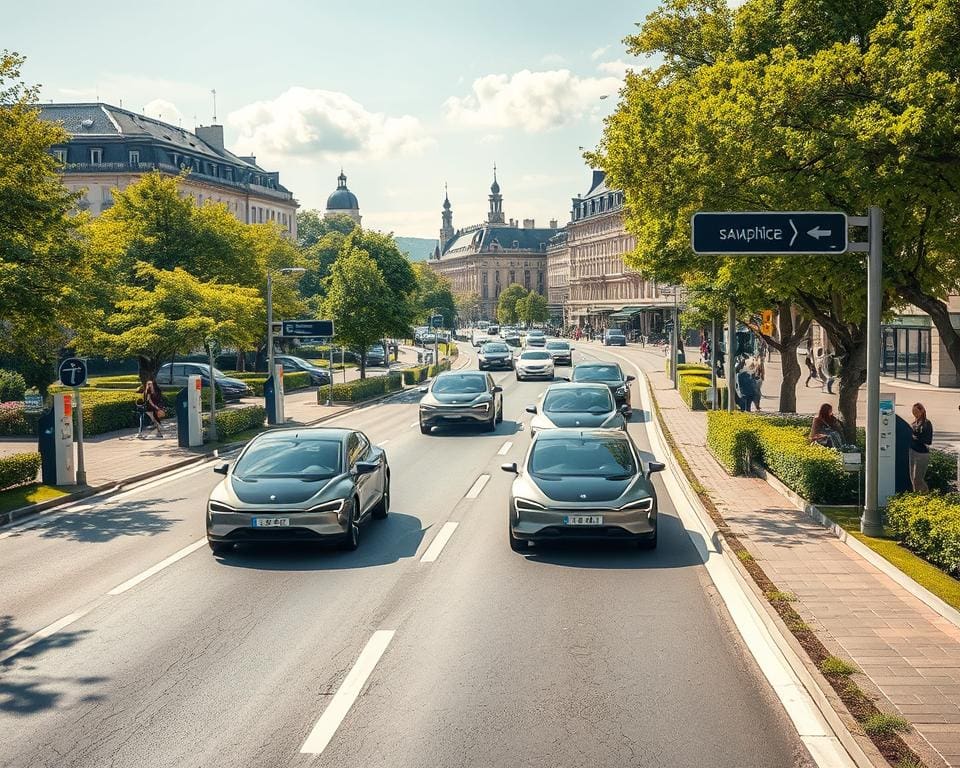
[
  {"x": 674, "y": 291},
  {"x": 282, "y": 271}
]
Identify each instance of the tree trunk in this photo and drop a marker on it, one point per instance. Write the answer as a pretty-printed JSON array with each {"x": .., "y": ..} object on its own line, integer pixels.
[
  {"x": 363, "y": 365},
  {"x": 853, "y": 374},
  {"x": 940, "y": 315},
  {"x": 792, "y": 327},
  {"x": 790, "y": 367},
  {"x": 241, "y": 364},
  {"x": 148, "y": 367}
]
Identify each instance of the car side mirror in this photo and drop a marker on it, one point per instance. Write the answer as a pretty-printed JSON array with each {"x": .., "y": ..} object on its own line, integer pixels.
[
  {"x": 366, "y": 467},
  {"x": 624, "y": 409},
  {"x": 655, "y": 466},
  {"x": 631, "y": 378},
  {"x": 221, "y": 469},
  {"x": 423, "y": 390},
  {"x": 531, "y": 409},
  {"x": 497, "y": 389},
  {"x": 511, "y": 467},
  {"x": 573, "y": 349}
]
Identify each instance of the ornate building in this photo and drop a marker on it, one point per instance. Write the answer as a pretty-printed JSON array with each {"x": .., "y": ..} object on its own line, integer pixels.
[
  {"x": 486, "y": 258},
  {"x": 603, "y": 291},
  {"x": 110, "y": 148},
  {"x": 558, "y": 278},
  {"x": 343, "y": 201}
]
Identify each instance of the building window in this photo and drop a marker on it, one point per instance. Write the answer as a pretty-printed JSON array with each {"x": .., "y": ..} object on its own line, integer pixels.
[
  {"x": 513, "y": 277},
  {"x": 60, "y": 154},
  {"x": 526, "y": 279},
  {"x": 133, "y": 157},
  {"x": 96, "y": 156}
]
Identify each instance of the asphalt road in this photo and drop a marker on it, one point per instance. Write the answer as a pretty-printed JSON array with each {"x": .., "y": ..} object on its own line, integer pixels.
[{"x": 566, "y": 656}]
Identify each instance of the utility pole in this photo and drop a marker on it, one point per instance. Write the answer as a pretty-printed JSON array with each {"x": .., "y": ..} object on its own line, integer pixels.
[
  {"x": 871, "y": 523},
  {"x": 731, "y": 341}
]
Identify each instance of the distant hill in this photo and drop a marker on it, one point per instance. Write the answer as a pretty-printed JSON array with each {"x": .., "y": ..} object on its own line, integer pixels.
[{"x": 417, "y": 248}]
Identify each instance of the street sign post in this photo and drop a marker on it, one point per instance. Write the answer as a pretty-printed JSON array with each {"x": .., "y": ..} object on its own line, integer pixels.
[
  {"x": 769, "y": 232},
  {"x": 307, "y": 328}
]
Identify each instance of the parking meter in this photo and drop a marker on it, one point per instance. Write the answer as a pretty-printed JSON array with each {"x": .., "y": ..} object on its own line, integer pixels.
[
  {"x": 55, "y": 442},
  {"x": 189, "y": 414},
  {"x": 273, "y": 393}
]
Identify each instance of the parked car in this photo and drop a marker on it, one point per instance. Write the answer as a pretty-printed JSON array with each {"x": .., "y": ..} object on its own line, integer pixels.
[
  {"x": 582, "y": 484},
  {"x": 610, "y": 374},
  {"x": 561, "y": 352},
  {"x": 318, "y": 376},
  {"x": 577, "y": 405},
  {"x": 175, "y": 375},
  {"x": 376, "y": 356},
  {"x": 613, "y": 337},
  {"x": 303, "y": 484},
  {"x": 461, "y": 397},
  {"x": 533, "y": 363},
  {"x": 495, "y": 354}
]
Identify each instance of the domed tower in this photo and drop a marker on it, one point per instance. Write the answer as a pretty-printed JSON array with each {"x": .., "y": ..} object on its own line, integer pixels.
[
  {"x": 446, "y": 231},
  {"x": 495, "y": 215},
  {"x": 343, "y": 201}
]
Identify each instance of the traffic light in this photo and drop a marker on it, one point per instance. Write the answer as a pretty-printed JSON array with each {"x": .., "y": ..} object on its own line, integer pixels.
[{"x": 766, "y": 322}]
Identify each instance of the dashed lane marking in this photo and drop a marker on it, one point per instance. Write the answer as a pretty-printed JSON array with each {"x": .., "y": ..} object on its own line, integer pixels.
[
  {"x": 439, "y": 542},
  {"x": 477, "y": 488}
]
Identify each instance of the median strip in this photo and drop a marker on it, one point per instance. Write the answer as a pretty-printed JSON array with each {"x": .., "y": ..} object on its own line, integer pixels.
[{"x": 439, "y": 542}]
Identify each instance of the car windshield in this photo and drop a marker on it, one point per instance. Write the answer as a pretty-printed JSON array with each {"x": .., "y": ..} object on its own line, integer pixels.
[
  {"x": 535, "y": 356},
  {"x": 495, "y": 348},
  {"x": 305, "y": 458},
  {"x": 557, "y": 345},
  {"x": 582, "y": 456},
  {"x": 614, "y": 333},
  {"x": 296, "y": 361},
  {"x": 597, "y": 373},
  {"x": 461, "y": 383},
  {"x": 576, "y": 400}
]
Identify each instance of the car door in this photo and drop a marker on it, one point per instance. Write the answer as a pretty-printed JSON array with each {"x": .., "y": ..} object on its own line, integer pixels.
[
  {"x": 355, "y": 453},
  {"x": 490, "y": 385}
]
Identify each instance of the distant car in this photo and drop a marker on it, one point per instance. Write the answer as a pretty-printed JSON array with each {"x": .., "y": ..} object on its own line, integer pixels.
[
  {"x": 533, "y": 364},
  {"x": 175, "y": 375},
  {"x": 536, "y": 339},
  {"x": 582, "y": 484},
  {"x": 512, "y": 340},
  {"x": 303, "y": 484},
  {"x": 318, "y": 376},
  {"x": 578, "y": 406},
  {"x": 428, "y": 339},
  {"x": 493, "y": 330},
  {"x": 461, "y": 397},
  {"x": 560, "y": 351},
  {"x": 614, "y": 337},
  {"x": 495, "y": 354},
  {"x": 376, "y": 356},
  {"x": 610, "y": 374}
]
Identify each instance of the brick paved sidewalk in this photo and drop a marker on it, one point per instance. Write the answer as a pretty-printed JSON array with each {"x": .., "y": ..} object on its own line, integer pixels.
[{"x": 909, "y": 652}]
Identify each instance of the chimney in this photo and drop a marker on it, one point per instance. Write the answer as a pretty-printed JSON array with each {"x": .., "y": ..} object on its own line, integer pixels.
[
  {"x": 528, "y": 224},
  {"x": 553, "y": 224},
  {"x": 212, "y": 135}
]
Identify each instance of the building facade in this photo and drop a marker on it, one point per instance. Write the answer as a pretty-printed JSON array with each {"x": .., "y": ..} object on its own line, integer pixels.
[
  {"x": 558, "y": 278},
  {"x": 342, "y": 201},
  {"x": 486, "y": 258},
  {"x": 110, "y": 148},
  {"x": 602, "y": 292}
]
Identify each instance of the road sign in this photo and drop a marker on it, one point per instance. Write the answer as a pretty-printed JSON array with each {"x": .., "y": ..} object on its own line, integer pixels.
[
  {"x": 769, "y": 232},
  {"x": 766, "y": 322},
  {"x": 73, "y": 372},
  {"x": 436, "y": 321},
  {"x": 33, "y": 403},
  {"x": 300, "y": 328},
  {"x": 668, "y": 325}
]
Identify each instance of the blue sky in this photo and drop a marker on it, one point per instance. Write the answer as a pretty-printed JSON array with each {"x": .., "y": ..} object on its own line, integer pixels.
[{"x": 406, "y": 95}]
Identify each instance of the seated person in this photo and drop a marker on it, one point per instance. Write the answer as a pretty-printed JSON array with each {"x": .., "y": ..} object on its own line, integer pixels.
[{"x": 827, "y": 429}]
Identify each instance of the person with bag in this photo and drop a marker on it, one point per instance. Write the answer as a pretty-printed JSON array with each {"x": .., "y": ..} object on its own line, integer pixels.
[
  {"x": 153, "y": 405},
  {"x": 827, "y": 429},
  {"x": 921, "y": 436}
]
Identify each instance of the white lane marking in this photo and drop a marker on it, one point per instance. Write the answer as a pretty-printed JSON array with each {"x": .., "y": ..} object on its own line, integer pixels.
[
  {"x": 131, "y": 583},
  {"x": 477, "y": 488},
  {"x": 383, "y": 443},
  {"x": 348, "y": 692},
  {"x": 47, "y": 631},
  {"x": 439, "y": 542},
  {"x": 416, "y": 423},
  {"x": 505, "y": 448}
]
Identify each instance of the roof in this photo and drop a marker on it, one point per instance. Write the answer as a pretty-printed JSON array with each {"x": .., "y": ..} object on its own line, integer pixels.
[
  {"x": 489, "y": 236},
  {"x": 598, "y": 185},
  {"x": 342, "y": 200}
]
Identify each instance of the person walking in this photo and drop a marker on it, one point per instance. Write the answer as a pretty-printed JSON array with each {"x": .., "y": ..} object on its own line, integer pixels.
[
  {"x": 921, "y": 436},
  {"x": 827, "y": 429},
  {"x": 811, "y": 368},
  {"x": 746, "y": 385},
  {"x": 825, "y": 368},
  {"x": 758, "y": 376}
]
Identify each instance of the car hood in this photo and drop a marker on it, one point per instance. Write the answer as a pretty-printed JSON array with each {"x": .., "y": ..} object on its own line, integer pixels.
[
  {"x": 455, "y": 398},
  {"x": 232, "y": 383},
  {"x": 582, "y": 489},
  {"x": 582, "y": 419},
  {"x": 285, "y": 491}
]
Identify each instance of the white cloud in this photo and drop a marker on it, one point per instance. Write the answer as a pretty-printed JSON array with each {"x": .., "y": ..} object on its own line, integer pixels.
[
  {"x": 308, "y": 122},
  {"x": 163, "y": 110},
  {"x": 616, "y": 68},
  {"x": 553, "y": 60},
  {"x": 534, "y": 101},
  {"x": 599, "y": 52},
  {"x": 491, "y": 138}
]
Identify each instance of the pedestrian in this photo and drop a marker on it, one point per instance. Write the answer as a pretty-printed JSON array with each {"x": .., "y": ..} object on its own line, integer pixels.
[
  {"x": 745, "y": 387},
  {"x": 153, "y": 406},
  {"x": 704, "y": 350},
  {"x": 811, "y": 369},
  {"x": 643, "y": 341},
  {"x": 827, "y": 429},
  {"x": 758, "y": 375},
  {"x": 921, "y": 436},
  {"x": 825, "y": 369}
]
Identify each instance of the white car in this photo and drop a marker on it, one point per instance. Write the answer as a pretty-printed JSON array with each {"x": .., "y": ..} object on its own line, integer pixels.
[{"x": 533, "y": 364}]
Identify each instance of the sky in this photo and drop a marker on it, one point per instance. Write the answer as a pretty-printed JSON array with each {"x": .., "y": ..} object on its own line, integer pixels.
[{"x": 405, "y": 96}]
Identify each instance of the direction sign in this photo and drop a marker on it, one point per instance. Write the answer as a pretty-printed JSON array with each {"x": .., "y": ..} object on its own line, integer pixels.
[
  {"x": 772, "y": 232},
  {"x": 298, "y": 328},
  {"x": 73, "y": 372},
  {"x": 436, "y": 321}
]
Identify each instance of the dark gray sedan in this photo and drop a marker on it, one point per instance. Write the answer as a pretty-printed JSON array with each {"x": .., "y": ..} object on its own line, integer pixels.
[
  {"x": 577, "y": 406},
  {"x": 308, "y": 484},
  {"x": 467, "y": 397},
  {"x": 495, "y": 354},
  {"x": 582, "y": 484}
]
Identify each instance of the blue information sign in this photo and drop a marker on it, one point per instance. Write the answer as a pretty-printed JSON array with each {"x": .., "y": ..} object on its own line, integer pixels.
[
  {"x": 301, "y": 328},
  {"x": 772, "y": 232},
  {"x": 73, "y": 372}
]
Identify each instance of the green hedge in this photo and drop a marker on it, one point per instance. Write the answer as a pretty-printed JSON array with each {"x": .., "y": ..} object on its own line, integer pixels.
[
  {"x": 928, "y": 524},
  {"x": 694, "y": 381},
  {"x": 18, "y": 469},
  {"x": 362, "y": 389},
  {"x": 414, "y": 375},
  {"x": 681, "y": 367},
  {"x": 233, "y": 421},
  {"x": 12, "y": 386},
  {"x": 292, "y": 381}
]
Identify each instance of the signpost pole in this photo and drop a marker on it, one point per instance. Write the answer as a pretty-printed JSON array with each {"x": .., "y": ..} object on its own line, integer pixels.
[
  {"x": 731, "y": 341},
  {"x": 714, "y": 351},
  {"x": 81, "y": 471},
  {"x": 330, "y": 391},
  {"x": 269, "y": 324},
  {"x": 870, "y": 523},
  {"x": 674, "y": 341},
  {"x": 213, "y": 392}
]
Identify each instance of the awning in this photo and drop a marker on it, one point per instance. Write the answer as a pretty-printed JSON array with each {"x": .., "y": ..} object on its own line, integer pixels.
[{"x": 625, "y": 313}]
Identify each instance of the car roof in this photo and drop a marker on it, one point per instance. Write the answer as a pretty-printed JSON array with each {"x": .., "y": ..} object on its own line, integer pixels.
[
  {"x": 318, "y": 433},
  {"x": 584, "y": 434},
  {"x": 578, "y": 385}
]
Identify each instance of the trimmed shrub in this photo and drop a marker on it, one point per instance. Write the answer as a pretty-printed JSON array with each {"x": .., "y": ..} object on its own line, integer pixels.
[
  {"x": 364, "y": 389},
  {"x": 928, "y": 524},
  {"x": 415, "y": 375},
  {"x": 292, "y": 381},
  {"x": 694, "y": 381},
  {"x": 732, "y": 439},
  {"x": 942, "y": 471},
  {"x": 12, "y": 386},
  {"x": 233, "y": 421},
  {"x": 18, "y": 469},
  {"x": 698, "y": 367}
]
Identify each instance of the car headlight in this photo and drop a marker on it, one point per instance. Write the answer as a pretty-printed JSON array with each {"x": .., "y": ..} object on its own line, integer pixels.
[
  {"x": 329, "y": 506},
  {"x": 481, "y": 406},
  {"x": 217, "y": 506},
  {"x": 642, "y": 505},
  {"x": 427, "y": 407},
  {"x": 527, "y": 505},
  {"x": 622, "y": 390}
]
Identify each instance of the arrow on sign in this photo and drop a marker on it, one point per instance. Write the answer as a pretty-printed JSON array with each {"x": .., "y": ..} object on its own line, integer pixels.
[
  {"x": 818, "y": 233},
  {"x": 794, "y": 231}
]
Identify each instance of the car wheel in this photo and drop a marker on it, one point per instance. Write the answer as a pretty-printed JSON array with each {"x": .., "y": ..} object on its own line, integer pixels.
[
  {"x": 648, "y": 543},
  {"x": 382, "y": 509},
  {"x": 517, "y": 545},
  {"x": 352, "y": 541},
  {"x": 500, "y": 413},
  {"x": 219, "y": 547},
  {"x": 491, "y": 425}
]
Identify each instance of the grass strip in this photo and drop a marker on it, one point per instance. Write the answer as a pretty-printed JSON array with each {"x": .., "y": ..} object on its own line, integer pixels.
[{"x": 24, "y": 495}]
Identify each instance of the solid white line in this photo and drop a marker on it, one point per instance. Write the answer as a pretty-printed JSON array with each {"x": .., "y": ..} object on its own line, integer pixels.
[
  {"x": 505, "y": 448},
  {"x": 348, "y": 692},
  {"x": 439, "y": 542},
  {"x": 47, "y": 631},
  {"x": 131, "y": 583},
  {"x": 477, "y": 487}
]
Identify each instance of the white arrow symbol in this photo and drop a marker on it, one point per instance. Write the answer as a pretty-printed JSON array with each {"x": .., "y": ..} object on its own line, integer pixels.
[
  {"x": 818, "y": 233},
  {"x": 794, "y": 231}
]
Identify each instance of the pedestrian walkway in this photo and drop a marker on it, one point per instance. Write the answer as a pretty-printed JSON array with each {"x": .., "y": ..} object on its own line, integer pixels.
[{"x": 909, "y": 652}]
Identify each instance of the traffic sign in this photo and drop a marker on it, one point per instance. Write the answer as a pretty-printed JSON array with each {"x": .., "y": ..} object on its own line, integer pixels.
[
  {"x": 769, "y": 232},
  {"x": 73, "y": 372},
  {"x": 300, "y": 328},
  {"x": 436, "y": 321}
]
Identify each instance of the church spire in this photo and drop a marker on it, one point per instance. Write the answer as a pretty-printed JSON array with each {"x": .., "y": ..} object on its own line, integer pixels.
[
  {"x": 446, "y": 231},
  {"x": 495, "y": 215}
]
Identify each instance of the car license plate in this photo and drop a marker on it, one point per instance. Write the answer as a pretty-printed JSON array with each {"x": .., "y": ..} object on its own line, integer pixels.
[
  {"x": 453, "y": 416},
  {"x": 583, "y": 520},
  {"x": 271, "y": 522}
]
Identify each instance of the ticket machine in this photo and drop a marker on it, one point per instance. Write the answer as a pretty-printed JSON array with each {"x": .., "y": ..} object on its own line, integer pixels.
[
  {"x": 190, "y": 414},
  {"x": 887, "y": 457},
  {"x": 55, "y": 442},
  {"x": 273, "y": 392}
]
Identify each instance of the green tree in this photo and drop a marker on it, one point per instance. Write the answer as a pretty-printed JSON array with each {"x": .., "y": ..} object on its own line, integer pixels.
[
  {"x": 433, "y": 292},
  {"x": 468, "y": 306},
  {"x": 532, "y": 308},
  {"x": 359, "y": 301},
  {"x": 312, "y": 226},
  {"x": 507, "y": 303},
  {"x": 397, "y": 273}
]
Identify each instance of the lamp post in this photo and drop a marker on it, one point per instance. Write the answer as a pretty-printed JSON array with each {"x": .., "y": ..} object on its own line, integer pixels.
[{"x": 282, "y": 271}]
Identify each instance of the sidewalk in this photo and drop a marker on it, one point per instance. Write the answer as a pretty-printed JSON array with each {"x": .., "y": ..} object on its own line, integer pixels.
[{"x": 908, "y": 651}]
